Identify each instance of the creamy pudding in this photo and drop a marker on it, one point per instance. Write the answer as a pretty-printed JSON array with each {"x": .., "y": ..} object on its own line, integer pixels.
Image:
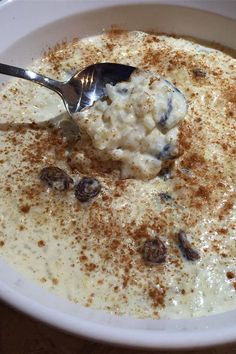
[
  {"x": 99, "y": 231},
  {"x": 136, "y": 124}
]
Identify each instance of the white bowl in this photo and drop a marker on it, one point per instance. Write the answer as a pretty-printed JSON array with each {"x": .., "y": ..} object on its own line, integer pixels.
[{"x": 26, "y": 29}]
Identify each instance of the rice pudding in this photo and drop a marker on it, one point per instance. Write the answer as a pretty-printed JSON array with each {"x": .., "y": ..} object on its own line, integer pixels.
[
  {"x": 136, "y": 124},
  {"x": 87, "y": 226}
]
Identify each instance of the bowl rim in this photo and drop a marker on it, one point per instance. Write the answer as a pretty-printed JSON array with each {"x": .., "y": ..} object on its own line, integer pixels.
[{"x": 129, "y": 337}]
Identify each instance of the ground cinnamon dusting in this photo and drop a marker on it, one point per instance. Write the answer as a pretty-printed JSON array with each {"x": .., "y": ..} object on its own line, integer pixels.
[
  {"x": 41, "y": 243},
  {"x": 157, "y": 296},
  {"x": 25, "y": 208}
]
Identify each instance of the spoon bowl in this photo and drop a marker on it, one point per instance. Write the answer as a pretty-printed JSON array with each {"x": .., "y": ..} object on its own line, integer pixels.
[{"x": 83, "y": 88}]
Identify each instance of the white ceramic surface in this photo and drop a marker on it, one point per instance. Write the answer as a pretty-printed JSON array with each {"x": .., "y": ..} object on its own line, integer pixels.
[{"x": 28, "y": 27}]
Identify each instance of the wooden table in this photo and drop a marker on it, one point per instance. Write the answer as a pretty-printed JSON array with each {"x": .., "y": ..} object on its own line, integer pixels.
[{"x": 20, "y": 334}]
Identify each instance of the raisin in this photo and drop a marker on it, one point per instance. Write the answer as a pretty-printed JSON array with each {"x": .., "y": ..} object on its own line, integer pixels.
[
  {"x": 122, "y": 91},
  {"x": 154, "y": 251},
  {"x": 87, "y": 188},
  {"x": 165, "y": 197},
  {"x": 164, "y": 118},
  {"x": 55, "y": 178},
  {"x": 165, "y": 174},
  {"x": 199, "y": 73},
  {"x": 165, "y": 153},
  {"x": 188, "y": 251}
]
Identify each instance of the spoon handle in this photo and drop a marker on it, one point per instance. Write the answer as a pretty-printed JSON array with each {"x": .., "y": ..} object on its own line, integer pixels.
[{"x": 51, "y": 84}]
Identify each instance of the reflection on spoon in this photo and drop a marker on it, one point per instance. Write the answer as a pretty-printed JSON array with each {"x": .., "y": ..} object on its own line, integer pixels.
[{"x": 83, "y": 88}]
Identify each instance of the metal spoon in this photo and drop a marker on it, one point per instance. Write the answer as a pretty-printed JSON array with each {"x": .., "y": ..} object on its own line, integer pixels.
[{"x": 83, "y": 88}]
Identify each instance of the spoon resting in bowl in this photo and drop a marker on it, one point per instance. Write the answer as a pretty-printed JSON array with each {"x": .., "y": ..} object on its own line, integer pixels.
[
  {"x": 83, "y": 88},
  {"x": 132, "y": 117}
]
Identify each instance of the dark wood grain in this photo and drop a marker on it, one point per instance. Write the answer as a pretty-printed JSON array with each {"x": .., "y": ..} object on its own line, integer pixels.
[{"x": 20, "y": 334}]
